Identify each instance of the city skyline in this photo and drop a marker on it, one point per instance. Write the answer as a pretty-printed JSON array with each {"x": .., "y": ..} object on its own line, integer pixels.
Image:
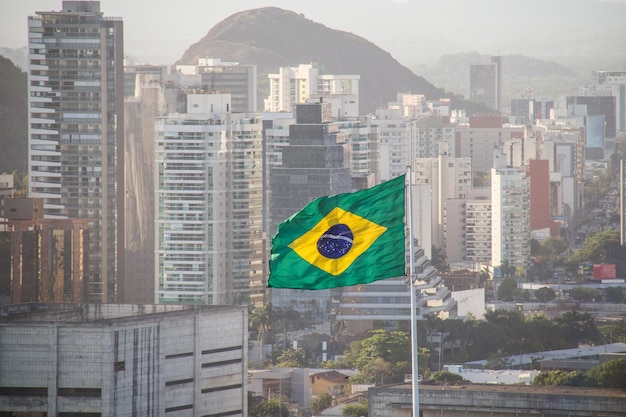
[{"x": 413, "y": 31}]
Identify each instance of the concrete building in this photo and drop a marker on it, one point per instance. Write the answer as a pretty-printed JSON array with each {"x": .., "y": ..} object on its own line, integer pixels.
[
  {"x": 42, "y": 260},
  {"x": 479, "y": 138},
  {"x": 409, "y": 130},
  {"x": 217, "y": 76},
  {"x": 477, "y": 400},
  {"x": 76, "y": 140},
  {"x": 478, "y": 225},
  {"x": 209, "y": 240},
  {"x": 563, "y": 145},
  {"x": 362, "y": 136},
  {"x": 295, "y": 85},
  {"x": 449, "y": 178},
  {"x": 622, "y": 201},
  {"x": 485, "y": 83},
  {"x": 315, "y": 163},
  {"x": 600, "y": 120},
  {"x": 397, "y": 138},
  {"x": 7, "y": 190},
  {"x": 122, "y": 360},
  {"x": 540, "y": 198},
  {"x": 510, "y": 218}
]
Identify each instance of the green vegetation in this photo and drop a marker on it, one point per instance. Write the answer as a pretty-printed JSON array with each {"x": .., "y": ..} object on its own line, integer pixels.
[
  {"x": 598, "y": 248},
  {"x": 270, "y": 408},
  {"x": 507, "y": 290},
  {"x": 545, "y": 294},
  {"x": 320, "y": 403},
  {"x": 610, "y": 374},
  {"x": 359, "y": 409},
  {"x": 447, "y": 377}
]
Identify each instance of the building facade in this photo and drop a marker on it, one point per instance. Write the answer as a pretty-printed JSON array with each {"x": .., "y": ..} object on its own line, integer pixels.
[
  {"x": 217, "y": 76},
  {"x": 510, "y": 218},
  {"x": 294, "y": 85},
  {"x": 449, "y": 178},
  {"x": 122, "y": 360},
  {"x": 208, "y": 205},
  {"x": 42, "y": 260},
  {"x": 76, "y": 141},
  {"x": 485, "y": 83}
]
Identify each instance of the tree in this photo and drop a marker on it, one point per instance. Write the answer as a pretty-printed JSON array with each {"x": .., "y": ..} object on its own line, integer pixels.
[
  {"x": 584, "y": 293},
  {"x": 610, "y": 374},
  {"x": 612, "y": 333},
  {"x": 484, "y": 275},
  {"x": 498, "y": 361},
  {"x": 321, "y": 402},
  {"x": 291, "y": 359},
  {"x": 614, "y": 295},
  {"x": 562, "y": 378},
  {"x": 438, "y": 259},
  {"x": 578, "y": 328},
  {"x": 446, "y": 376},
  {"x": 506, "y": 268},
  {"x": 602, "y": 247},
  {"x": 390, "y": 346},
  {"x": 271, "y": 408},
  {"x": 545, "y": 294},
  {"x": 506, "y": 289},
  {"x": 359, "y": 409},
  {"x": 260, "y": 321}
]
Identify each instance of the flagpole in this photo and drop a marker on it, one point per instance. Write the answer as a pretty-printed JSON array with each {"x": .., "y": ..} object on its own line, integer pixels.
[{"x": 414, "y": 348}]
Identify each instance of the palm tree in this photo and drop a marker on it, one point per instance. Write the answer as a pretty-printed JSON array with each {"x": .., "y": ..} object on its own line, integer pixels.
[
  {"x": 260, "y": 321},
  {"x": 484, "y": 275}
]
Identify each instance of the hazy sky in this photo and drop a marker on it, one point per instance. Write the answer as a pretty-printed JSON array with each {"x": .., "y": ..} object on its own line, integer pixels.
[{"x": 159, "y": 31}]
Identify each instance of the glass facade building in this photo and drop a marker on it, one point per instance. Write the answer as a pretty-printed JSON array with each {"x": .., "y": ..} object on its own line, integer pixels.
[{"x": 75, "y": 88}]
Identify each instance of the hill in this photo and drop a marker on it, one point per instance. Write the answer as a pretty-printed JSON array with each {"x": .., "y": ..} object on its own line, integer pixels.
[
  {"x": 519, "y": 72},
  {"x": 13, "y": 118},
  {"x": 271, "y": 37}
]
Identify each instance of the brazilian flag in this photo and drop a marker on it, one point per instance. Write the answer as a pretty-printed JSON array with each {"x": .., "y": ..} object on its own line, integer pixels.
[{"x": 345, "y": 239}]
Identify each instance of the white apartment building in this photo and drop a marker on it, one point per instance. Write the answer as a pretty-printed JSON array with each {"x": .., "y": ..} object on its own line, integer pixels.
[
  {"x": 294, "y": 85},
  {"x": 435, "y": 136},
  {"x": 510, "y": 218},
  {"x": 449, "y": 178},
  {"x": 208, "y": 205},
  {"x": 478, "y": 139},
  {"x": 478, "y": 225},
  {"x": 407, "y": 130},
  {"x": 217, "y": 76},
  {"x": 396, "y": 140},
  {"x": 123, "y": 360},
  {"x": 362, "y": 135}
]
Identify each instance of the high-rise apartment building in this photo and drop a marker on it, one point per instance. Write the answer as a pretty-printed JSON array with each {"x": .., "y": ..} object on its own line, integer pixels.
[
  {"x": 510, "y": 218},
  {"x": 486, "y": 83},
  {"x": 76, "y": 142},
  {"x": 221, "y": 77},
  {"x": 315, "y": 163},
  {"x": 294, "y": 85},
  {"x": 478, "y": 225},
  {"x": 622, "y": 201},
  {"x": 481, "y": 136},
  {"x": 448, "y": 178},
  {"x": 208, "y": 205}
]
